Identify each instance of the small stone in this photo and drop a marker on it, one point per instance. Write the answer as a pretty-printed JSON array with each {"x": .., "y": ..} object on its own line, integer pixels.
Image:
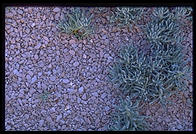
[
  {"x": 72, "y": 42},
  {"x": 33, "y": 24},
  {"x": 16, "y": 72},
  {"x": 70, "y": 90},
  {"x": 81, "y": 89},
  {"x": 95, "y": 94},
  {"x": 56, "y": 9},
  {"x": 32, "y": 90},
  {"x": 103, "y": 95},
  {"x": 20, "y": 11},
  {"x": 84, "y": 56},
  {"x": 180, "y": 127},
  {"x": 76, "y": 64},
  {"x": 41, "y": 122},
  {"x": 52, "y": 78},
  {"x": 28, "y": 77},
  {"x": 78, "y": 100},
  {"x": 65, "y": 81},
  {"x": 67, "y": 58},
  {"x": 33, "y": 79},
  {"x": 58, "y": 117},
  {"x": 9, "y": 15},
  {"x": 104, "y": 37},
  {"x": 46, "y": 38},
  {"x": 38, "y": 46},
  {"x": 84, "y": 97},
  {"x": 52, "y": 110},
  {"x": 36, "y": 57},
  {"x": 107, "y": 108},
  {"x": 72, "y": 52}
]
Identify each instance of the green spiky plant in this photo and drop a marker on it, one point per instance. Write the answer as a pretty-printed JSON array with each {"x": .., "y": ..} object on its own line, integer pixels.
[
  {"x": 149, "y": 78},
  {"x": 182, "y": 13},
  {"x": 163, "y": 29},
  {"x": 127, "y": 117},
  {"x": 126, "y": 16},
  {"x": 77, "y": 23}
]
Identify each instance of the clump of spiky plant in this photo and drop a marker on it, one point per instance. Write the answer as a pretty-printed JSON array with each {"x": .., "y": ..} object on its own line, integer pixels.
[
  {"x": 127, "y": 117},
  {"x": 182, "y": 13},
  {"x": 163, "y": 28},
  {"x": 149, "y": 78},
  {"x": 77, "y": 23},
  {"x": 127, "y": 16}
]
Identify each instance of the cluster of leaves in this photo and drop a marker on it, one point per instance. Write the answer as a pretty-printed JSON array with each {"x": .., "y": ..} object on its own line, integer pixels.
[
  {"x": 166, "y": 24},
  {"x": 149, "y": 78},
  {"x": 127, "y": 117},
  {"x": 127, "y": 16},
  {"x": 78, "y": 23},
  {"x": 182, "y": 14},
  {"x": 163, "y": 28},
  {"x": 155, "y": 75}
]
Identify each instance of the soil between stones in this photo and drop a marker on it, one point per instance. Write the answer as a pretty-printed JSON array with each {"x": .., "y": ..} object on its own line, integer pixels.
[{"x": 56, "y": 82}]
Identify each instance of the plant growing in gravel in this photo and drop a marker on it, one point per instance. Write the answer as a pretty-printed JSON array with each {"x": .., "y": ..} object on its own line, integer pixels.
[
  {"x": 182, "y": 13},
  {"x": 78, "y": 23},
  {"x": 163, "y": 31},
  {"x": 127, "y": 117},
  {"x": 152, "y": 77},
  {"x": 127, "y": 16},
  {"x": 44, "y": 96}
]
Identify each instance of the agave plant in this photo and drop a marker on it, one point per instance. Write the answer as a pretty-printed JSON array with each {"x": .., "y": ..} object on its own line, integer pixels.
[
  {"x": 127, "y": 16},
  {"x": 127, "y": 117},
  {"x": 78, "y": 23}
]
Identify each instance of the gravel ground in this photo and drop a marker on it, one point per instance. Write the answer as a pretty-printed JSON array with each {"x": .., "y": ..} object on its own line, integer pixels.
[{"x": 56, "y": 82}]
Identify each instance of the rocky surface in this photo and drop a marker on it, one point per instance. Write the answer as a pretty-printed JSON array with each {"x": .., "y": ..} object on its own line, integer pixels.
[{"x": 56, "y": 82}]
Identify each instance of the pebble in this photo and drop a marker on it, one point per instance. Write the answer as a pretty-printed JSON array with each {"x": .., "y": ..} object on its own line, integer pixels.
[
  {"x": 38, "y": 46},
  {"x": 20, "y": 11},
  {"x": 52, "y": 78},
  {"x": 16, "y": 72},
  {"x": 41, "y": 122},
  {"x": 56, "y": 9},
  {"x": 84, "y": 97},
  {"x": 58, "y": 117},
  {"x": 81, "y": 89},
  {"x": 9, "y": 15},
  {"x": 84, "y": 56},
  {"x": 75, "y": 64},
  {"x": 72, "y": 42},
  {"x": 33, "y": 79},
  {"x": 72, "y": 52},
  {"x": 103, "y": 95},
  {"x": 65, "y": 81}
]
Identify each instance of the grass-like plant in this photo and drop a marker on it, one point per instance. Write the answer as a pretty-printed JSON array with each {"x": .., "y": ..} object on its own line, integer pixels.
[
  {"x": 77, "y": 23},
  {"x": 127, "y": 117},
  {"x": 126, "y": 16},
  {"x": 150, "y": 78}
]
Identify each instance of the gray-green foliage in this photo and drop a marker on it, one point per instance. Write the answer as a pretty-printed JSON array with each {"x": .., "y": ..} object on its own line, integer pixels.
[
  {"x": 163, "y": 28},
  {"x": 127, "y": 16},
  {"x": 127, "y": 117},
  {"x": 150, "y": 78},
  {"x": 182, "y": 13},
  {"x": 78, "y": 23},
  {"x": 166, "y": 24}
]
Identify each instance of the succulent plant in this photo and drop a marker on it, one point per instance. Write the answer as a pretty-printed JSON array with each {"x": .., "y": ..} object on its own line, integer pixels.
[
  {"x": 150, "y": 78},
  {"x": 127, "y": 16},
  {"x": 78, "y": 23},
  {"x": 127, "y": 117}
]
